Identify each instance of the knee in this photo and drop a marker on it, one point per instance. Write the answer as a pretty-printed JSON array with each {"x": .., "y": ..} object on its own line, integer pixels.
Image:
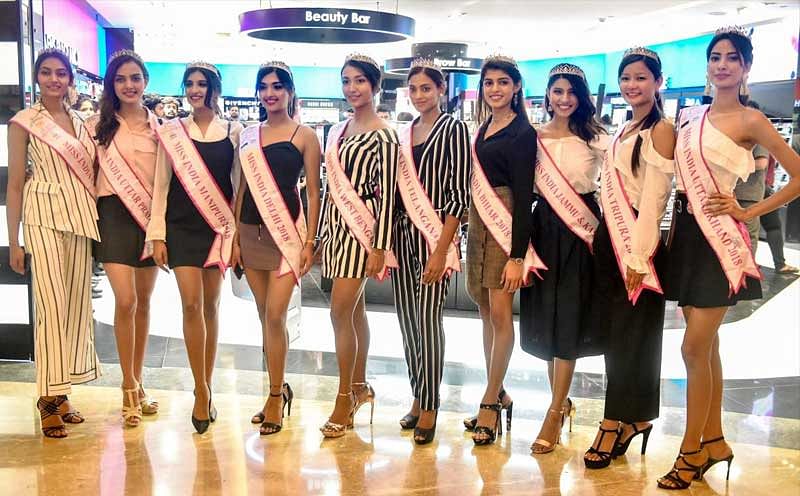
[
  {"x": 125, "y": 306},
  {"x": 276, "y": 322},
  {"x": 695, "y": 354},
  {"x": 341, "y": 317},
  {"x": 210, "y": 310},
  {"x": 500, "y": 317},
  {"x": 143, "y": 307},
  {"x": 191, "y": 308}
]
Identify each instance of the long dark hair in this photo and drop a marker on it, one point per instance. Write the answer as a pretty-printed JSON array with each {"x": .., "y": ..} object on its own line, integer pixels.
[
  {"x": 512, "y": 70},
  {"x": 656, "y": 111},
  {"x": 109, "y": 102},
  {"x": 214, "y": 85},
  {"x": 286, "y": 80},
  {"x": 582, "y": 122},
  {"x": 742, "y": 44}
]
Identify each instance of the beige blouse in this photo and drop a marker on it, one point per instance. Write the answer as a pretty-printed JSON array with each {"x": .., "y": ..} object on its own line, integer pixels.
[{"x": 139, "y": 148}]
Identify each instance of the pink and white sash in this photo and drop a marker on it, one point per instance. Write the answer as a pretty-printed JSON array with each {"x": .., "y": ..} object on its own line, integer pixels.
[
  {"x": 202, "y": 189},
  {"x": 562, "y": 197},
  {"x": 79, "y": 160},
  {"x": 134, "y": 192},
  {"x": 289, "y": 235},
  {"x": 354, "y": 211},
  {"x": 620, "y": 220},
  {"x": 726, "y": 236},
  {"x": 497, "y": 218},
  {"x": 417, "y": 203}
]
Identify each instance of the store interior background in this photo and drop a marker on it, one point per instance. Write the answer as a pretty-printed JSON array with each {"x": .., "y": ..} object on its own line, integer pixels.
[{"x": 761, "y": 342}]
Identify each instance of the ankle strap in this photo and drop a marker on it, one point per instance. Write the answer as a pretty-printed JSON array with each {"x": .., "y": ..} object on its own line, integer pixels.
[
  {"x": 491, "y": 406},
  {"x": 344, "y": 394},
  {"x": 608, "y": 430},
  {"x": 715, "y": 440}
]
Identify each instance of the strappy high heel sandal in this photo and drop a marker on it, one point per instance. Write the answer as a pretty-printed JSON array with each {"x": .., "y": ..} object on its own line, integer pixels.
[
  {"x": 370, "y": 399},
  {"x": 72, "y": 416},
  {"x": 132, "y": 412},
  {"x": 491, "y": 434},
  {"x": 258, "y": 417},
  {"x": 541, "y": 446},
  {"x": 49, "y": 409},
  {"x": 149, "y": 405},
  {"x": 621, "y": 448},
  {"x": 425, "y": 436},
  {"x": 332, "y": 429},
  {"x": 673, "y": 481},
  {"x": 471, "y": 422},
  {"x": 605, "y": 456},
  {"x": 409, "y": 421},
  {"x": 287, "y": 395},
  {"x": 713, "y": 461}
]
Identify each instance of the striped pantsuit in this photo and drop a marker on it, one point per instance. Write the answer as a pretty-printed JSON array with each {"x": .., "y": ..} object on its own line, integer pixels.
[
  {"x": 61, "y": 268},
  {"x": 419, "y": 310}
]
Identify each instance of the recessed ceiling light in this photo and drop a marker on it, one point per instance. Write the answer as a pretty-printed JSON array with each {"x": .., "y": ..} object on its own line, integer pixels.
[{"x": 717, "y": 13}]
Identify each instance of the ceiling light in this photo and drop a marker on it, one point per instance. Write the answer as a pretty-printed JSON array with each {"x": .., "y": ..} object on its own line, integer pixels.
[{"x": 717, "y": 13}]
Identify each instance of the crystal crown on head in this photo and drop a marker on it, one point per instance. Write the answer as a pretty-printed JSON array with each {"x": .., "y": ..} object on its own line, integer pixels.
[
  {"x": 278, "y": 65},
  {"x": 735, "y": 29},
  {"x": 204, "y": 65},
  {"x": 123, "y": 53},
  {"x": 643, "y": 51},
  {"x": 499, "y": 57},
  {"x": 567, "y": 69},
  {"x": 360, "y": 57},
  {"x": 426, "y": 62}
]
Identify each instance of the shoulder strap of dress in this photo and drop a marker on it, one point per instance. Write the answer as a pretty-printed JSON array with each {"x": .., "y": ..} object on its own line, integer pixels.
[{"x": 294, "y": 133}]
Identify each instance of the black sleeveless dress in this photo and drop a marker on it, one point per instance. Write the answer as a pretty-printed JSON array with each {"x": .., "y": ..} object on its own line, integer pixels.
[{"x": 189, "y": 237}]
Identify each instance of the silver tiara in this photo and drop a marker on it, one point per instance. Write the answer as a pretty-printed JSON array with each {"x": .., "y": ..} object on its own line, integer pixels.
[
  {"x": 277, "y": 64},
  {"x": 51, "y": 51},
  {"x": 567, "y": 69},
  {"x": 360, "y": 57},
  {"x": 426, "y": 62},
  {"x": 498, "y": 57},
  {"x": 735, "y": 29},
  {"x": 643, "y": 51},
  {"x": 204, "y": 65},
  {"x": 130, "y": 53}
]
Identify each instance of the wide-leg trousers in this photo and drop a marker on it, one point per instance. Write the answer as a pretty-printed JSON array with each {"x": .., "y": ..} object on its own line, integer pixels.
[
  {"x": 61, "y": 268},
  {"x": 419, "y": 310}
]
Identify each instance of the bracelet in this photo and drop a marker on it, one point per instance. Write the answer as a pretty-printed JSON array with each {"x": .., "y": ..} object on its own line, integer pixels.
[
  {"x": 517, "y": 261},
  {"x": 310, "y": 242}
]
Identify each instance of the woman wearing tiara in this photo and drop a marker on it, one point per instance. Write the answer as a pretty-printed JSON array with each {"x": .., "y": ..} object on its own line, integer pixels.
[
  {"x": 499, "y": 253},
  {"x": 193, "y": 225},
  {"x": 433, "y": 193},
  {"x": 127, "y": 144},
  {"x": 555, "y": 322},
  {"x": 54, "y": 199},
  {"x": 711, "y": 266},
  {"x": 361, "y": 161},
  {"x": 271, "y": 227},
  {"x": 636, "y": 183}
]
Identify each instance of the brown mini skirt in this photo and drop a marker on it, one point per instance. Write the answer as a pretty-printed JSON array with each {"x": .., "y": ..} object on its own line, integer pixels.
[
  {"x": 259, "y": 251},
  {"x": 485, "y": 258}
]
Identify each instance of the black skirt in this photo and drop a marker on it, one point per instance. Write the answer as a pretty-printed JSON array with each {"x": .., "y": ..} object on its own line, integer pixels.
[
  {"x": 694, "y": 274},
  {"x": 555, "y": 312},
  {"x": 631, "y": 336},
  {"x": 122, "y": 240}
]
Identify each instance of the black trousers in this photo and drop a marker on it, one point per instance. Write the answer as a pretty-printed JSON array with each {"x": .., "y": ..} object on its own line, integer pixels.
[{"x": 632, "y": 337}]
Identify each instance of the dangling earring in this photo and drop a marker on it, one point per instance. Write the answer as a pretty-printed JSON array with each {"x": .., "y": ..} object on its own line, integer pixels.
[
  {"x": 514, "y": 100},
  {"x": 743, "y": 89},
  {"x": 707, "y": 91},
  {"x": 549, "y": 108}
]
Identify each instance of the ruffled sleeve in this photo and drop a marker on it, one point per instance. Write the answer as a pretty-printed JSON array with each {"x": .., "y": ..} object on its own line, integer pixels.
[
  {"x": 723, "y": 153},
  {"x": 656, "y": 188}
]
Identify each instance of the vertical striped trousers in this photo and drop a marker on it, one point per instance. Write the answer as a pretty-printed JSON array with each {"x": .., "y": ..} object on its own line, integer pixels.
[
  {"x": 61, "y": 268},
  {"x": 419, "y": 310}
]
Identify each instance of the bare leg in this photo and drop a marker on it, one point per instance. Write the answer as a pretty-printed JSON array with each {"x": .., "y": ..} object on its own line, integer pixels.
[
  {"x": 190, "y": 286},
  {"x": 500, "y": 303},
  {"x": 713, "y": 427},
  {"x": 277, "y": 339},
  {"x": 560, "y": 382},
  {"x": 145, "y": 282},
  {"x": 258, "y": 280},
  {"x": 702, "y": 325},
  {"x": 123, "y": 284},
  {"x": 361, "y": 325},
  {"x": 212, "y": 285},
  {"x": 345, "y": 296}
]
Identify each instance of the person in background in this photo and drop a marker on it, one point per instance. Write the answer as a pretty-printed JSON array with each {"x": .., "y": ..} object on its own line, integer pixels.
[
  {"x": 86, "y": 107},
  {"x": 233, "y": 114},
  {"x": 153, "y": 103},
  {"x": 171, "y": 108},
  {"x": 752, "y": 191},
  {"x": 771, "y": 222},
  {"x": 384, "y": 112},
  {"x": 349, "y": 113},
  {"x": 405, "y": 117}
]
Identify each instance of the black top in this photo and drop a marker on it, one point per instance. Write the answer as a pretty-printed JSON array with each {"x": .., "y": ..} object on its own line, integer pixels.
[
  {"x": 508, "y": 158},
  {"x": 218, "y": 156},
  {"x": 286, "y": 165},
  {"x": 416, "y": 151}
]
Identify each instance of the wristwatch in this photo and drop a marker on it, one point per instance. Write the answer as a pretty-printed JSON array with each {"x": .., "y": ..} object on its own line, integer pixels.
[{"x": 517, "y": 261}]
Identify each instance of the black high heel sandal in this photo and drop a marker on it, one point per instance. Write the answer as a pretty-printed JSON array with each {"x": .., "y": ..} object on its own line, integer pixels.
[
  {"x": 212, "y": 410},
  {"x": 49, "y": 409},
  {"x": 673, "y": 481},
  {"x": 258, "y": 417},
  {"x": 713, "y": 461},
  {"x": 201, "y": 426},
  {"x": 471, "y": 422},
  {"x": 605, "y": 456},
  {"x": 490, "y": 433},
  {"x": 287, "y": 395},
  {"x": 409, "y": 421},
  {"x": 427, "y": 435},
  {"x": 621, "y": 448}
]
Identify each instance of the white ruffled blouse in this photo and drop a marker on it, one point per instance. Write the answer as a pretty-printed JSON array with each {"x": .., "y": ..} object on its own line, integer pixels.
[
  {"x": 580, "y": 163},
  {"x": 648, "y": 191}
]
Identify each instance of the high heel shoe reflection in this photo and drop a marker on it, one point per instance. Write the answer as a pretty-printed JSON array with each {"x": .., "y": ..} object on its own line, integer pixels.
[
  {"x": 354, "y": 459},
  {"x": 422, "y": 472},
  {"x": 551, "y": 470},
  {"x": 207, "y": 477},
  {"x": 490, "y": 463},
  {"x": 138, "y": 470}
]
